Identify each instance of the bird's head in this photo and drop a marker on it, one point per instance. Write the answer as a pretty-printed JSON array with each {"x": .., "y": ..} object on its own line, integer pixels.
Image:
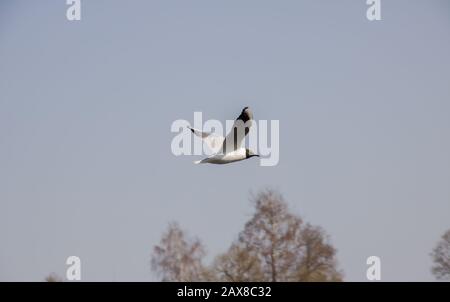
[
  {"x": 246, "y": 114},
  {"x": 249, "y": 153}
]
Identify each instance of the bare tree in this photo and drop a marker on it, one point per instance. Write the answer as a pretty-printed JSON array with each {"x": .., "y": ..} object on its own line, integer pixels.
[
  {"x": 177, "y": 258},
  {"x": 441, "y": 258},
  {"x": 276, "y": 245},
  {"x": 317, "y": 260}
]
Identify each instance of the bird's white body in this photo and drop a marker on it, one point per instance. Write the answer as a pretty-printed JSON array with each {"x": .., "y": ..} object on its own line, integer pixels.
[
  {"x": 237, "y": 155},
  {"x": 228, "y": 149}
]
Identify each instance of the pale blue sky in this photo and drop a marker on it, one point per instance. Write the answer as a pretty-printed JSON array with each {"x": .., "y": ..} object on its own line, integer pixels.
[{"x": 86, "y": 108}]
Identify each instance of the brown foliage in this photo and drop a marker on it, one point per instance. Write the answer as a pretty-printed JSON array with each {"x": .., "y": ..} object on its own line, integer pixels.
[
  {"x": 276, "y": 245},
  {"x": 53, "y": 277}
]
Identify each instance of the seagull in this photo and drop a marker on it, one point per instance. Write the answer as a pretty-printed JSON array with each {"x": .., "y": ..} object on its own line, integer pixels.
[{"x": 225, "y": 151}]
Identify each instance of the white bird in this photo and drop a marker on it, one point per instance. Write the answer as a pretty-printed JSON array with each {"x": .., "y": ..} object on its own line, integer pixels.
[{"x": 225, "y": 151}]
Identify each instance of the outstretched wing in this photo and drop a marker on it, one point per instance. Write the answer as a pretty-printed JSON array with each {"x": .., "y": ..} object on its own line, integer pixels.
[
  {"x": 240, "y": 129},
  {"x": 212, "y": 140}
]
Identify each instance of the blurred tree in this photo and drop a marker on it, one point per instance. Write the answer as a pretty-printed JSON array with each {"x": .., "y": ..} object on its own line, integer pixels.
[
  {"x": 178, "y": 259},
  {"x": 53, "y": 277},
  {"x": 441, "y": 258},
  {"x": 238, "y": 265},
  {"x": 276, "y": 245}
]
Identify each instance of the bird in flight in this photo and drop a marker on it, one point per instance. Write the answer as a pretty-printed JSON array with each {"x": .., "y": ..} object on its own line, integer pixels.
[{"x": 228, "y": 149}]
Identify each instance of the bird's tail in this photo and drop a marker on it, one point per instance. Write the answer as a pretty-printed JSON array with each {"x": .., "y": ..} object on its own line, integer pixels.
[{"x": 198, "y": 162}]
